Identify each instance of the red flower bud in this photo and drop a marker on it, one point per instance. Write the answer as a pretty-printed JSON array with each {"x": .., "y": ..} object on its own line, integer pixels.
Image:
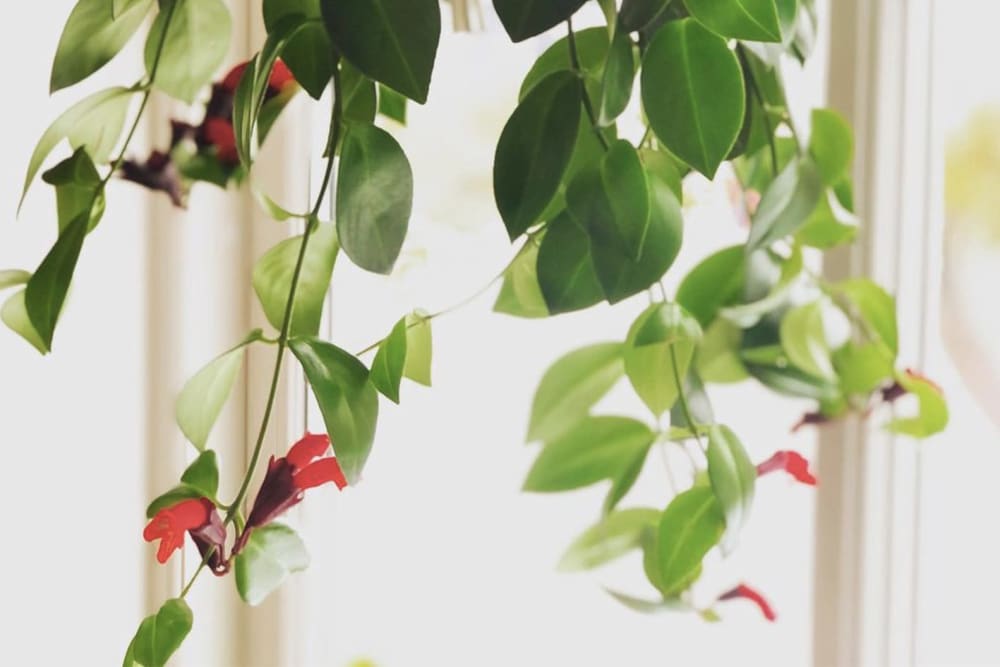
[
  {"x": 746, "y": 593},
  {"x": 791, "y": 462},
  {"x": 218, "y": 132}
]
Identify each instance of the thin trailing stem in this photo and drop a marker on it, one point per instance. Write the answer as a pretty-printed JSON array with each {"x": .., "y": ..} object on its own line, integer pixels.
[
  {"x": 682, "y": 397},
  {"x": 574, "y": 59}
]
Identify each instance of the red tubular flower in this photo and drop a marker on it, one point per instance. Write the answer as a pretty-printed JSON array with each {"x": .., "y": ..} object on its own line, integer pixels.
[
  {"x": 218, "y": 132},
  {"x": 280, "y": 77},
  {"x": 791, "y": 462},
  {"x": 197, "y": 516},
  {"x": 287, "y": 479},
  {"x": 746, "y": 593}
]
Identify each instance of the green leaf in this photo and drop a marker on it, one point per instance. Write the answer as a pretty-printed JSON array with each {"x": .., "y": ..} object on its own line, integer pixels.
[
  {"x": 612, "y": 537},
  {"x": 830, "y": 225},
  {"x": 119, "y": 7},
  {"x": 718, "y": 356},
  {"x": 204, "y": 395},
  {"x": 15, "y": 315},
  {"x": 768, "y": 286},
  {"x": 13, "y": 278},
  {"x": 46, "y": 291},
  {"x": 623, "y": 483},
  {"x": 863, "y": 368},
  {"x": 663, "y": 333},
  {"x": 79, "y": 189},
  {"x": 272, "y": 553},
  {"x": 203, "y": 474},
  {"x": 620, "y": 275},
  {"x": 793, "y": 382},
  {"x": 391, "y": 104},
  {"x": 932, "y": 413},
  {"x": 831, "y": 145},
  {"x": 733, "y": 476},
  {"x": 387, "y": 368},
  {"x": 753, "y": 20},
  {"x": 94, "y": 123},
  {"x": 520, "y": 294},
  {"x": 596, "y": 448},
  {"x": 360, "y": 100},
  {"x": 643, "y": 606},
  {"x": 534, "y": 150},
  {"x": 195, "y": 45},
  {"x": 716, "y": 282},
  {"x": 571, "y": 387},
  {"x": 159, "y": 636},
  {"x": 693, "y": 94},
  {"x": 274, "y": 209},
  {"x": 698, "y": 404},
  {"x": 803, "y": 338},
  {"x": 392, "y": 41},
  {"x": 419, "y": 348},
  {"x": 637, "y": 14},
  {"x": 565, "y": 269},
  {"x": 348, "y": 402},
  {"x": 272, "y": 279},
  {"x": 309, "y": 54},
  {"x": 172, "y": 497},
  {"x": 786, "y": 204},
  {"x": 526, "y": 18},
  {"x": 876, "y": 306},
  {"x": 619, "y": 75},
  {"x": 664, "y": 167},
  {"x": 374, "y": 197},
  {"x": 691, "y": 525},
  {"x": 612, "y": 201},
  {"x": 93, "y": 36},
  {"x": 592, "y": 49}
]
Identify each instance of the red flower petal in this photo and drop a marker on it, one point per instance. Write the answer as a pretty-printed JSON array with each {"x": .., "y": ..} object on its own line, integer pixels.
[
  {"x": 791, "y": 462},
  {"x": 281, "y": 76},
  {"x": 219, "y": 133},
  {"x": 311, "y": 446},
  {"x": 232, "y": 79},
  {"x": 746, "y": 593},
  {"x": 320, "y": 472},
  {"x": 170, "y": 524}
]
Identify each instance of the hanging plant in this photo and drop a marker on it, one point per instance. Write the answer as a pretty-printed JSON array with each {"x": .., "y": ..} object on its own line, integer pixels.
[{"x": 596, "y": 216}]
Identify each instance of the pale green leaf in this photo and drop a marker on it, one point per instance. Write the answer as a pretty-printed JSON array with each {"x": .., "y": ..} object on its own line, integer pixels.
[
  {"x": 614, "y": 536},
  {"x": 271, "y": 555},
  {"x": 733, "y": 477}
]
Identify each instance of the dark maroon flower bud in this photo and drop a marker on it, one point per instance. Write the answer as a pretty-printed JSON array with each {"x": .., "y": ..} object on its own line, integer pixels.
[
  {"x": 811, "y": 419},
  {"x": 158, "y": 173},
  {"x": 210, "y": 538}
]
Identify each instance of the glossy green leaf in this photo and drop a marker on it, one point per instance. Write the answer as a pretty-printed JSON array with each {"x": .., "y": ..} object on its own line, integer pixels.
[
  {"x": 160, "y": 635},
  {"x": 660, "y": 343},
  {"x": 619, "y": 75},
  {"x": 93, "y": 36},
  {"x": 46, "y": 291},
  {"x": 526, "y": 18},
  {"x": 691, "y": 525},
  {"x": 753, "y": 20},
  {"x": 863, "y": 367},
  {"x": 195, "y": 45},
  {"x": 204, "y": 395},
  {"x": 714, "y": 283},
  {"x": 119, "y": 7},
  {"x": 520, "y": 294},
  {"x": 637, "y": 14},
  {"x": 612, "y": 537},
  {"x": 718, "y": 356},
  {"x": 733, "y": 477},
  {"x": 392, "y": 41},
  {"x": 360, "y": 100},
  {"x": 830, "y": 225},
  {"x": 374, "y": 197},
  {"x": 664, "y": 167},
  {"x": 591, "y": 47},
  {"x": 803, "y": 338},
  {"x": 348, "y": 402},
  {"x": 387, "y": 368},
  {"x": 693, "y": 94},
  {"x": 419, "y": 349},
  {"x": 596, "y": 448},
  {"x": 309, "y": 54},
  {"x": 272, "y": 279},
  {"x": 787, "y": 204},
  {"x": 610, "y": 10},
  {"x": 271, "y": 555},
  {"x": 15, "y": 315},
  {"x": 534, "y": 150},
  {"x": 932, "y": 412},
  {"x": 571, "y": 387},
  {"x": 831, "y": 145},
  {"x": 274, "y": 209},
  {"x": 203, "y": 474},
  {"x": 79, "y": 189},
  {"x": 623, "y": 483},
  {"x": 565, "y": 269},
  {"x": 876, "y": 306},
  {"x": 391, "y": 104},
  {"x": 768, "y": 286},
  {"x": 94, "y": 123},
  {"x": 791, "y": 381}
]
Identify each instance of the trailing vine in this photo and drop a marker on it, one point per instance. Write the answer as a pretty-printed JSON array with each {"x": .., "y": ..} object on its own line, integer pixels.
[{"x": 599, "y": 217}]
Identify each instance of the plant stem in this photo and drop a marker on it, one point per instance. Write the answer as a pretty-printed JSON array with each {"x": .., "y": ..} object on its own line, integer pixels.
[
  {"x": 286, "y": 323},
  {"x": 755, "y": 89},
  {"x": 574, "y": 59},
  {"x": 682, "y": 397}
]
